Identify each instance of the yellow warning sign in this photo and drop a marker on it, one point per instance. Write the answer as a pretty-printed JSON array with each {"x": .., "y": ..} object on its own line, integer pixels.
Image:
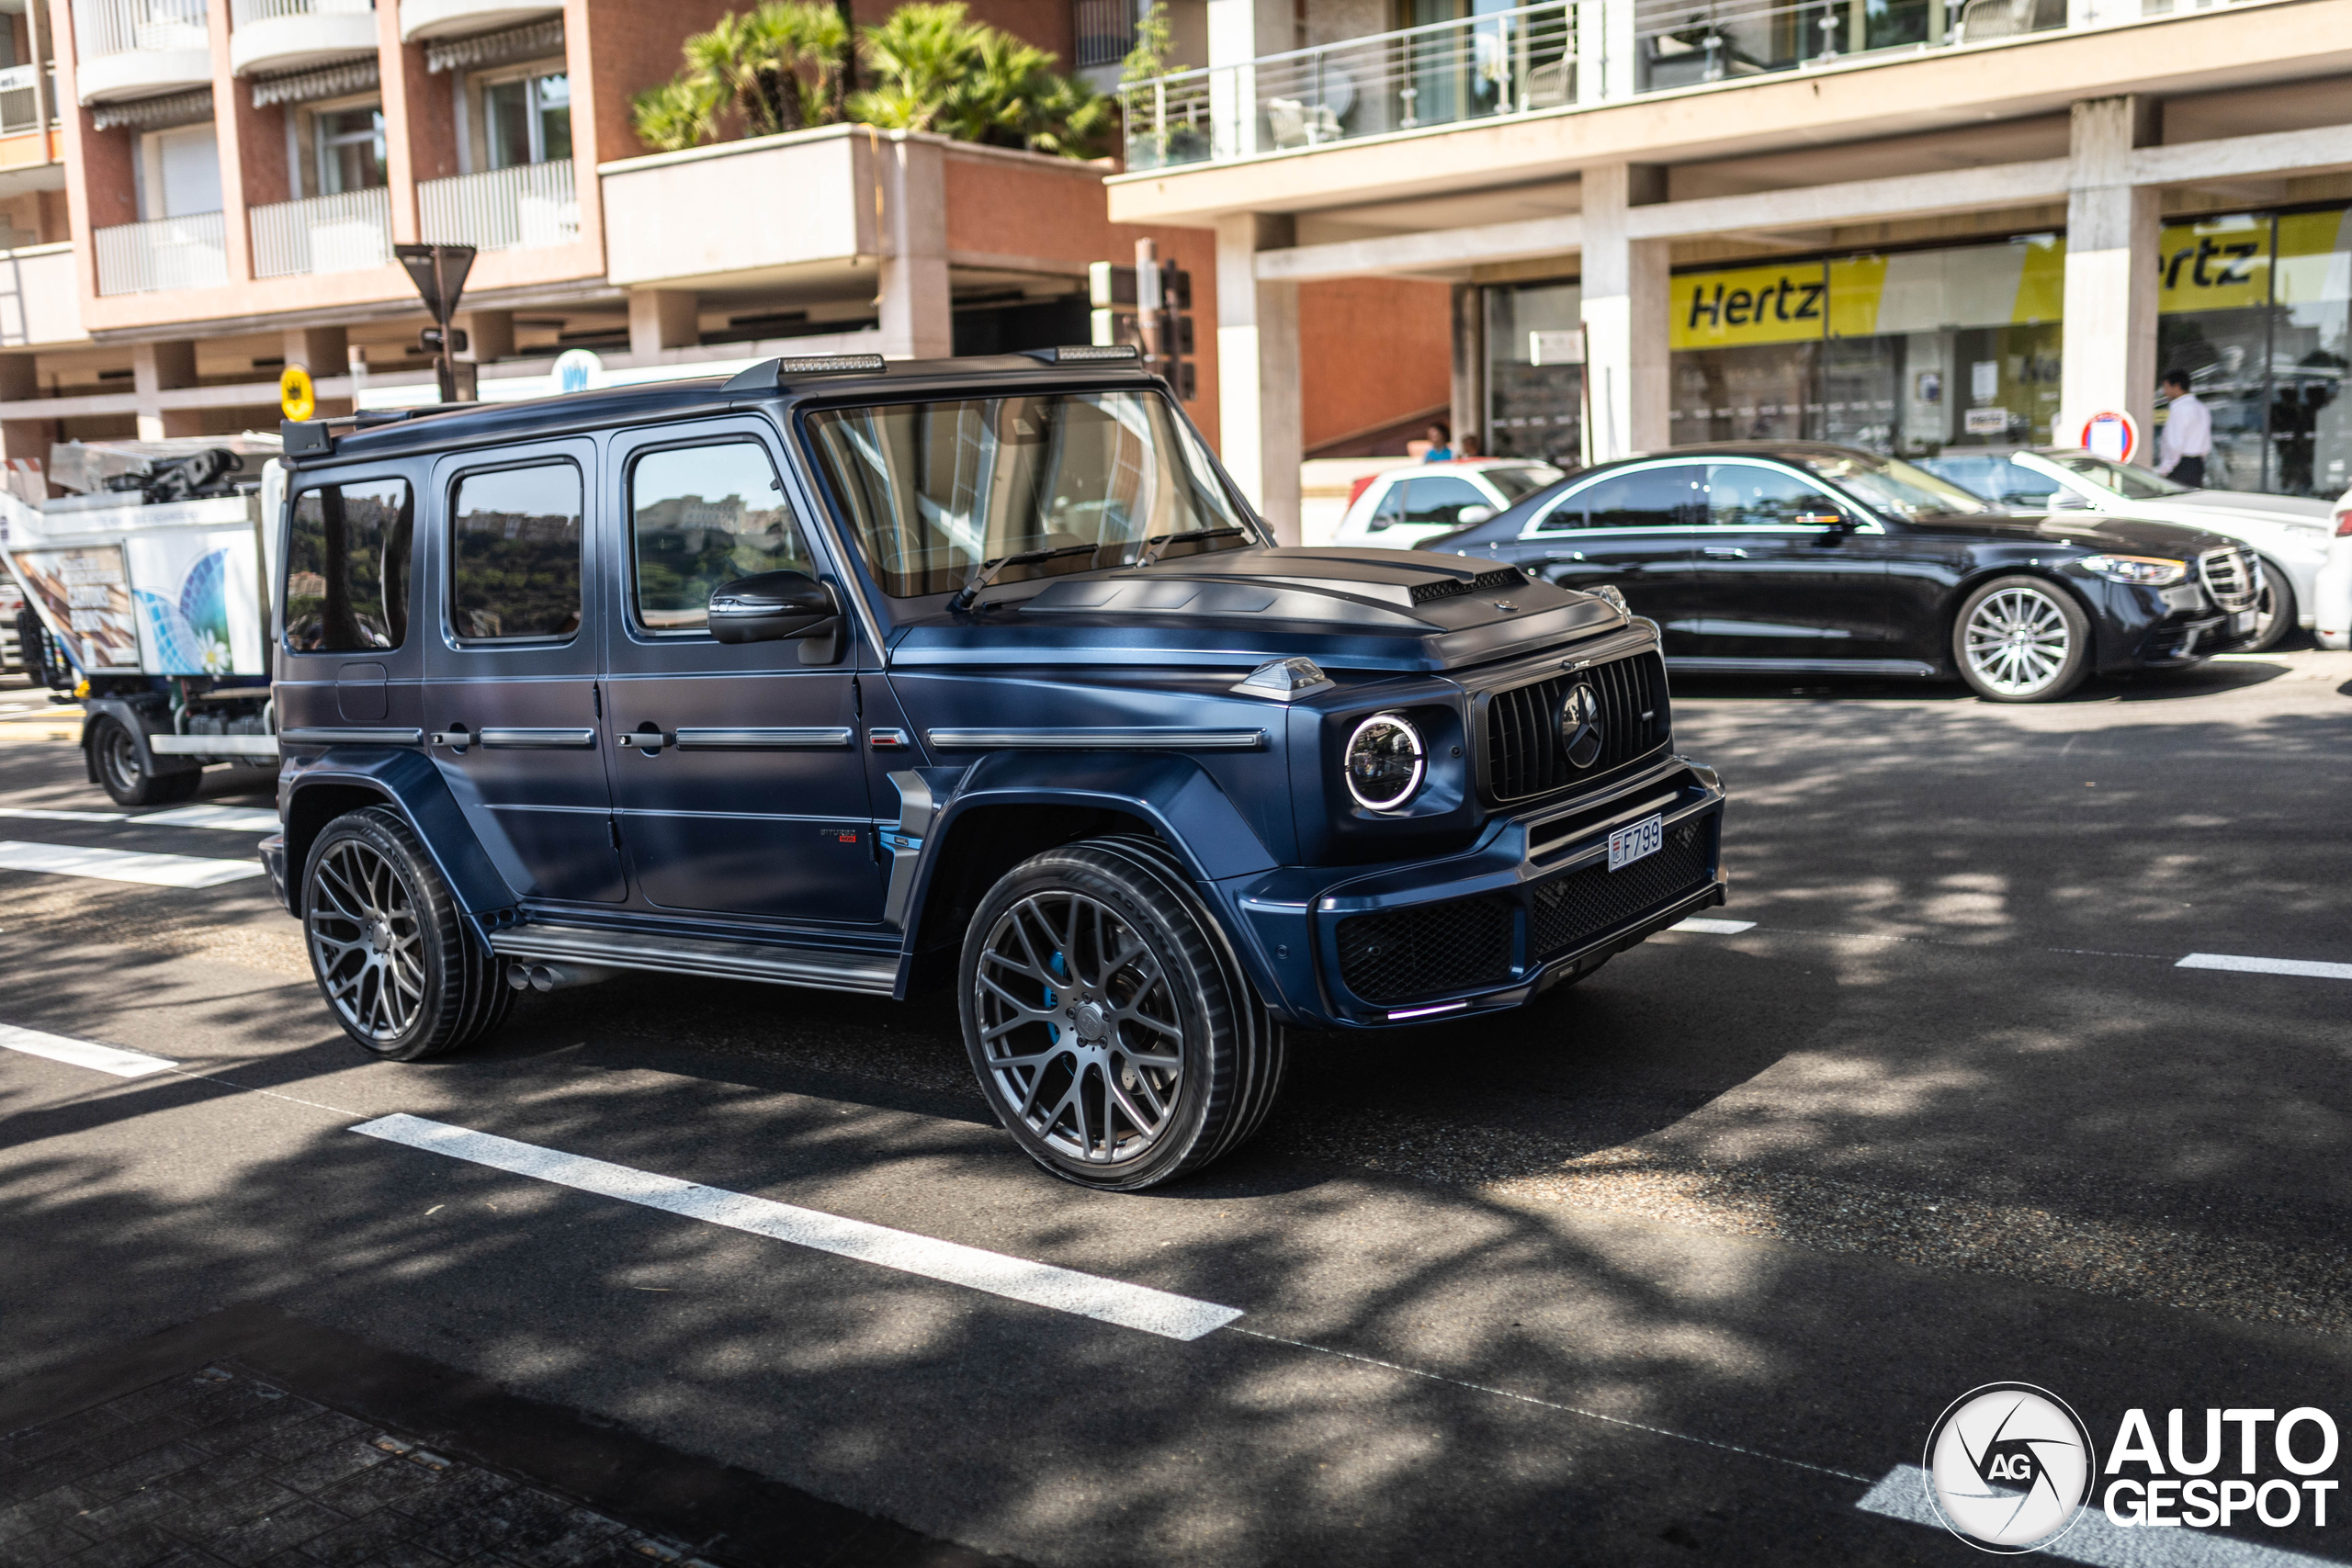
[{"x": 296, "y": 397}]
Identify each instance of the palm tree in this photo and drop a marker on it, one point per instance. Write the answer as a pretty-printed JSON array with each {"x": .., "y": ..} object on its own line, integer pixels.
[
  {"x": 919, "y": 55},
  {"x": 678, "y": 114},
  {"x": 757, "y": 59}
]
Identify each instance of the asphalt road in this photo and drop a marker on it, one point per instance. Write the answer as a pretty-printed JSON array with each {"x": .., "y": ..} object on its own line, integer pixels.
[{"x": 1673, "y": 1267}]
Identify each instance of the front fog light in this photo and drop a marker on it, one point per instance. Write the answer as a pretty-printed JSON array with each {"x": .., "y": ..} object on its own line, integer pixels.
[{"x": 1385, "y": 763}]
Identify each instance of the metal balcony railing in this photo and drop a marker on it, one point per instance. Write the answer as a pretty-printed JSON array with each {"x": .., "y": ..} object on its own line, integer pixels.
[
  {"x": 1546, "y": 57},
  {"x": 102, "y": 28},
  {"x": 1106, "y": 30},
  {"x": 323, "y": 233},
  {"x": 245, "y": 13},
  {"x": 19, "y": 99},
  {"x": 528, "y": 207},
  {"x": 167, "y": 252}
]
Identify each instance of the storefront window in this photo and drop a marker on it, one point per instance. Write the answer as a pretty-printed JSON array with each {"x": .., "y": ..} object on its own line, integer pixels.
[{"x": 1535, "y": 373}]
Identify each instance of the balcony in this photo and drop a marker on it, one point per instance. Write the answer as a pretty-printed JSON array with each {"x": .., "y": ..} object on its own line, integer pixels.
[
  {"x": 1565, "y": 54},
  {"x": 422, "y": 19},
  {"x": 136, "y": 49},
  {"x": 324, "y": 233},
  {"x": 287, "y": 35},
  {"x": 167, "y": 252},
  {"x": 529, "y": 206}
]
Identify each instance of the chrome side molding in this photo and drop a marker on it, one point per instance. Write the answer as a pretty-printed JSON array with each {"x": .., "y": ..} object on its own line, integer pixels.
[
  {"x": 595, "y": 947},
  {"x": 353, "y": 736},
  {"x": 1121, "y": 737},
  {"x": 817, "y": 739}
]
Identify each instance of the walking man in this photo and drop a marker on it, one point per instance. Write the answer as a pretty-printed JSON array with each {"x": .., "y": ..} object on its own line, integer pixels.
[{"x": 2186, "y": 439}]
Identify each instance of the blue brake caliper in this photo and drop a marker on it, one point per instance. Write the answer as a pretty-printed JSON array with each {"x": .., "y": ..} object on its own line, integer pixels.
[{"x": 1056, "y": 966}]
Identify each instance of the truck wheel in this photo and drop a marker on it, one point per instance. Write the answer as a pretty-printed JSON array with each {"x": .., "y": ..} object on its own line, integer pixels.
[
  {"x": 1108, "y": 1020},
  {"x": 399, "y": 969},
  {"x": 2020, "y": 639},
  {"x": 127, "y": 780}
]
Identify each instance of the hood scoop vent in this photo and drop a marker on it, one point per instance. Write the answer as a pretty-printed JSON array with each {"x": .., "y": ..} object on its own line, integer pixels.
[{"x": 1454, "y": 587}]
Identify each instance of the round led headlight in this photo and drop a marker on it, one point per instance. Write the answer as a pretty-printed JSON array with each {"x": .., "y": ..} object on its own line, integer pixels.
[{"x": 1385, "y": 763}]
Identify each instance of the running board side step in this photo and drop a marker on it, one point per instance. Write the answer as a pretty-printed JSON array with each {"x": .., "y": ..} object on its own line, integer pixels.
[{"x": 826, "y": 968}]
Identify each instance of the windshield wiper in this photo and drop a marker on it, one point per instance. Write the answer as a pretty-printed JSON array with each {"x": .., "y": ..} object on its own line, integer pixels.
[
  {"x": 985, "y": 573},
  {"x": 1159, "y": 542}
]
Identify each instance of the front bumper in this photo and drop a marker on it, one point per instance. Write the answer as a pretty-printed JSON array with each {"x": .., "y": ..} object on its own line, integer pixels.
[{"x": 1534, "y": 904}]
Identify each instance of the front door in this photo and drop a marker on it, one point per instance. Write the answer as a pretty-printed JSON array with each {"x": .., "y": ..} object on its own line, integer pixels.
[
  {"x": 511, "y": 705},
  {"x": 1631, "y": 529},
  {"x": 1772, "y": 580},
  {"x": 736, "y": 769}
]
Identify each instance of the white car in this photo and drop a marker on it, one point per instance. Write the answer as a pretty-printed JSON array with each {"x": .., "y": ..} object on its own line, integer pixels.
[
  {"x": 1399, "y": 508},
  {"x": 2332, "y": 601},
  {"x": 2289, "y": 532}
]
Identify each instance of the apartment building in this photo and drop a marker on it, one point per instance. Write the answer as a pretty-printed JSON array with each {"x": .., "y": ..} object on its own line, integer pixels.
[
  {"x": 224, "y": 180},
  {"x": 1904, "y": 224}
]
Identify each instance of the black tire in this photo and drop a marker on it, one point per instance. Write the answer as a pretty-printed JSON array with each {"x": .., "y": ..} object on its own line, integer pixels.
[
  {"x": 1166, "y": 1037},
  {"x": 2051, "y": 653},
  {"x": 2274, "y": 612},
  {"x": 399, "y": 968},
  {"x": 115, "y": 757}
]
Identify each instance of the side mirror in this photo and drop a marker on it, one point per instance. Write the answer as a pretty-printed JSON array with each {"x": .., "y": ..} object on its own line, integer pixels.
[
  {"x": 778, "y": 606},
  {"x": 1471, "y": 515},
  {"x": 1821, "y": 517},
  {"x": 2056, "y": 500}
]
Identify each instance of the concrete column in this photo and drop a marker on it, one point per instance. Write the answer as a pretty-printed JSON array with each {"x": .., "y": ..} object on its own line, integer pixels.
[
  {"x": 2111, "y": 273},
  {"x": 319, "y": 350},
  {"x": 157, "y": 367},
  {"x": 658, "y": 318},
  {"x": 1469, "y": 410},
  {"x": 23, "y": 440},
  {"x": 489, "y": 334},
  {"x": 917, "y": 307},
  {"x": 1260, "y": 437},
  {"x": 1625, "y": 311}
]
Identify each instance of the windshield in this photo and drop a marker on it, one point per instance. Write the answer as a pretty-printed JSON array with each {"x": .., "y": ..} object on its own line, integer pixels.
[
  {"x": 1891, "y": 483},
  {"x": 931, "y": 491},
  {"x": 1517, "y": 482},
  {"x": 2118, "y": 478}
]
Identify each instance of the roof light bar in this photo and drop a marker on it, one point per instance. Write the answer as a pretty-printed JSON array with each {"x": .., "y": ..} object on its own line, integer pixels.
[
  {"x": 770, "y": 375},
  {"x": 1089, "y": 354}
]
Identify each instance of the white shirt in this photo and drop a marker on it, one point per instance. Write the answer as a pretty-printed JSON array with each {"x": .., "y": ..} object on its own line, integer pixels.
[{"x": 2187, "y": 432}]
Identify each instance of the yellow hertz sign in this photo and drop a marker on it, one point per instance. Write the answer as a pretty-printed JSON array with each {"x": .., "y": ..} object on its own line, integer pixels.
[
  {"x": 1756, "y": 304},
  {"x": 296, "y": 397}
]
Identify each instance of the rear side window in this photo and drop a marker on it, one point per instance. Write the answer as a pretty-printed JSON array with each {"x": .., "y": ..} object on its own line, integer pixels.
[
  {"x": 347, "y": 567},
  {"x": 701, "y": 516},
  {"x": 1440, "y": 500},
  {"x": 1646, "y": 498},
  {"x": 515, "y": 555}
]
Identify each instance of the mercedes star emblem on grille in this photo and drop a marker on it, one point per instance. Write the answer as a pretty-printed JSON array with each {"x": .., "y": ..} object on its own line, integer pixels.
[{"x": 1580, "y": 724}]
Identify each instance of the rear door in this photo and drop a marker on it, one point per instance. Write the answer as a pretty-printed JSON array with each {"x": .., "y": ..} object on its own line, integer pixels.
[
  {"x": 510, "y": 701},
  {"x": 1632, "y": 528},
  {"x": 736, "y": 771}
]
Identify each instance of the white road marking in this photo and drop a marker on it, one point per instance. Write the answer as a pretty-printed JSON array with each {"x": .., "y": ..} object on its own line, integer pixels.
[
  {"x": 124, "y": 865},
  {"x": 1712, "y": 927},
  {"x": 1018, "y": 1279},
  {"x": 82, "y": 1053},
  {"x": 2308, "y": 968},
  {"x": 234, "y": 819},
  {"x": 40, "y": 814},
  {"x": 1902, "y": 1493}
]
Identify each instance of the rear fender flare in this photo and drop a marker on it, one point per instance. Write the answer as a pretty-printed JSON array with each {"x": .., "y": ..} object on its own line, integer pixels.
[{"x": 412, "y": 786}]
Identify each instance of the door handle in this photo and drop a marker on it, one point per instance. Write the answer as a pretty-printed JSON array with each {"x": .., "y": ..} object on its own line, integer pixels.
[
  {"x": 1569, "y": 559},
  {"x": 1723, "y": 552},
  {"x": 645, "y": 738}
]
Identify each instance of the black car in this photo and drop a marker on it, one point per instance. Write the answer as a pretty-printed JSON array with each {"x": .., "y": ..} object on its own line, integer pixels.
[
  {"x": 975, "y": 673},
  {"x": 1802, "y": 557}
]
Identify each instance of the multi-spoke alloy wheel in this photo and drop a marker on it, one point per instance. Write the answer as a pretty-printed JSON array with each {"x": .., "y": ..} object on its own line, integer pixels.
[
  {"x": 1108, "y": 1022},
  {"x": 364, "y": 941},
  {"x": 393, "y": 954},
  {"x": 1079, "y": 1027},
  {"x": 2021, "y": 640}
]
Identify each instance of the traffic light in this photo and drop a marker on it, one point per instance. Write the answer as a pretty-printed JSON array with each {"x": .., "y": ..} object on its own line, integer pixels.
[{"x": 1149, "y": 305}]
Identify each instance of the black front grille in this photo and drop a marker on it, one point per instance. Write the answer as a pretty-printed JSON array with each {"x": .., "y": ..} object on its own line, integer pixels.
[
  {"x": 1454, "y": 587},
  {"x": 1526, "y": 754},
  {"x": 1397, "y": 954},
  {"x": 1568, "y": 910}
]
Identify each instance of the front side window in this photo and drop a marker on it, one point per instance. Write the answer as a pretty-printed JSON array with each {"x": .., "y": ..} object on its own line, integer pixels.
[
  {"x": 347, "y": 567},
  {"x": 931, "y": 491},
  {"x": 701, "y": 516},
  {"x": 1439, "y": 499},
  {"x": 1894, "y": 485},
  {"x": 1748, "y": 495},
  {"x": 515, "y": 555},
  {"x": 350, "y": 147}
]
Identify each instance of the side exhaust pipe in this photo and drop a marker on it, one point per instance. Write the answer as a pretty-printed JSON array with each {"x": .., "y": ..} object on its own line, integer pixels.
[{"x": 525, "y": 974}]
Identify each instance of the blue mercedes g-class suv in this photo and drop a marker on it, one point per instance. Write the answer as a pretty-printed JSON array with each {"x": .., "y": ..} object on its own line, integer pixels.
[{"x": 844, "y": 673}]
